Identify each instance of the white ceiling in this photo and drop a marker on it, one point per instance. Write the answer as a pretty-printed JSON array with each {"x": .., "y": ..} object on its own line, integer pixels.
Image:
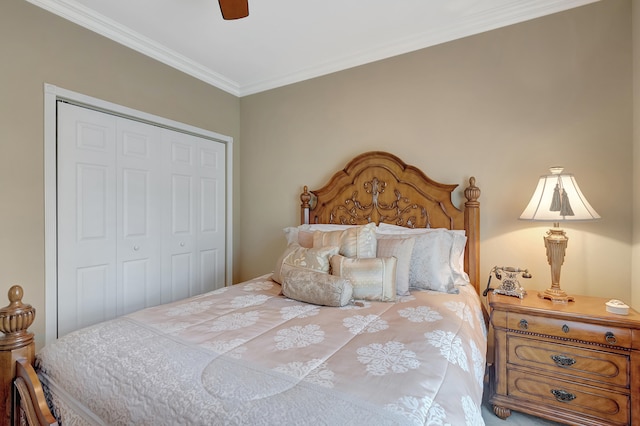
[{"x": 286, "y": 41}]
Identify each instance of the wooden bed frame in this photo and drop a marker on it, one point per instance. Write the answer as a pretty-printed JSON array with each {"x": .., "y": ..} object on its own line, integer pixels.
[
  {"x": 379, "y": 187},
  {"x": 22, "y": 397},
  {"x": 373, "y": 187}
]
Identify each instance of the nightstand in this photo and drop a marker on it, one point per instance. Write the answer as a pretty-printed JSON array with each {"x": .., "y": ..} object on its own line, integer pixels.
[{"x": 572, "y": 362}]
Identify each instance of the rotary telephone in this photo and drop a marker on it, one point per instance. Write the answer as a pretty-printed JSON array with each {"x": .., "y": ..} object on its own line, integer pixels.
[{"x": 509, "y": 284}]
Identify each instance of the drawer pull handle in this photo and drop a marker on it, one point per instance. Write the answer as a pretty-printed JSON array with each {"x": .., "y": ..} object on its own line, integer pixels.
[
  {"x": 523, "y": 324},
  {"x": 610, "y": 337},
  {"x": 565, "y": 328},
  {"x": 563, "y": 396},
  {"x": 563, "y": 360}
]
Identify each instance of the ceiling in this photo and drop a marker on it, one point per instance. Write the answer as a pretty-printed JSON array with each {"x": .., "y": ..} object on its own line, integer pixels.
[{"x": 286, "y": 41}]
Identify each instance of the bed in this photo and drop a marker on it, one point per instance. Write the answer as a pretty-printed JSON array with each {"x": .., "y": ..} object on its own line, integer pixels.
[{"x": 371, "y": 316}]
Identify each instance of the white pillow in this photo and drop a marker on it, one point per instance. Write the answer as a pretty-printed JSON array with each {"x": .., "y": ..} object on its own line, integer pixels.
[
  {"x": 401, "y": 249},
  {"x": 371, "y": 278},
  {"x": 458, "y": 241},
  {"x": 460, "y": 277},
  {"x": 433, "y": 262},
  {"x": 359, "y": 241},
  {"x": 294, "y": 256},
  {"x": 389, "y": 229}
]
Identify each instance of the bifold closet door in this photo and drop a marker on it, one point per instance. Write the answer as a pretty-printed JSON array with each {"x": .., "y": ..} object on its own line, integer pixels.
[
  {"x": 141, "y": 216},
  {"x": 87, "y": 231},
  {"x": 138, "y": 215},
  {"x": 194, "y": 217}
]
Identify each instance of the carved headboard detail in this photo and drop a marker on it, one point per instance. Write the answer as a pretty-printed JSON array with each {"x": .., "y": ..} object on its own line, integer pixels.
[{"x": 379, "y": 187}]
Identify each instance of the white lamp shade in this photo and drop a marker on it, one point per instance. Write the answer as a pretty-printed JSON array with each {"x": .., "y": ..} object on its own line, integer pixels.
[{"x": 558, "y": 188}]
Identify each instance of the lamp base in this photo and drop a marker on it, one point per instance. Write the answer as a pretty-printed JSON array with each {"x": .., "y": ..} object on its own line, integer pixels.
[
  {"x": 556, "y": 244},
  {"x": 556, "y": 295}
]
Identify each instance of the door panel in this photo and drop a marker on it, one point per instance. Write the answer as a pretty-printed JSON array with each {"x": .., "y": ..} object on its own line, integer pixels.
[
  {"x": 181, "y": 274},
  {"x": 136, "y": 284},
  {"x": 86, "y": 218},
  {"x": 211, "y": 238},
  {"x": 92, "y": 288},
  {"x": 209, "y": 264},
  {"x": 139, "y": 195}
]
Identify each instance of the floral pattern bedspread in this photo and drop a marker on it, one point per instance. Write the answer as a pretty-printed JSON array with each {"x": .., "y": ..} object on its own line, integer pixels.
[{"x": 246, "y": 355}]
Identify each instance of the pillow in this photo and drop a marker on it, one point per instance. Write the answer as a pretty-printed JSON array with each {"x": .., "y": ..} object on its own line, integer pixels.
[
  {"x": 303, "y": 234},
  {"x": 389, "y": 229},
  {"x": 458, "y": 241},
  {"x": 460, "y": 276},
  {"x": 401, "y": 249},
  {"x": 315, "y": 287},
  {"x": 358, "y": 241},
  {"x": 305, "y": 238},
  {"x": 435, "y": 260},
  {"x": 371, "y": 278},
  {"x": 295, "y": 256}
]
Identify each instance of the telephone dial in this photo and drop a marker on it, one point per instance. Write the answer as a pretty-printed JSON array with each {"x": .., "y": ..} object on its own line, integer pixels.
[{"x": 509, "y": 284}]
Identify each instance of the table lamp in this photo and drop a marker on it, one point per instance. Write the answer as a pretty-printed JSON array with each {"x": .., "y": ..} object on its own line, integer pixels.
[{"x": 557, "y": 198}]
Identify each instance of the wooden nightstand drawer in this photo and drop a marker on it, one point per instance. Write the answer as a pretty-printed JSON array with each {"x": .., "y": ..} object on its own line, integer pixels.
[
  {"x": 557, "y": 358},
  {"x": 573, "y": 363},
  {"x": 567, "y": 329},
  {"x": 610, "y": 407}
]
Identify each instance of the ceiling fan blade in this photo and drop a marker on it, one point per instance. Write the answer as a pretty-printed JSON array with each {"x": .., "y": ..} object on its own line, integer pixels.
[{"x": 234, "y": 9}]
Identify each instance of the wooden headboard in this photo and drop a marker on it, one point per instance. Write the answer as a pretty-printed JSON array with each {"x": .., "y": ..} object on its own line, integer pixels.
[{"x": 379, "y": 187}]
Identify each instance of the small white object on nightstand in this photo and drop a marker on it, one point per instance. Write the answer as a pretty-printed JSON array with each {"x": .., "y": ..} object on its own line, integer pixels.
[{"x": 617, "y": 307}]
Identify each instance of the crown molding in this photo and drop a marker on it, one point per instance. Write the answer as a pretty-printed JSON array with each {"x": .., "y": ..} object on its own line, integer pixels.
[
  {"x": 516, "y": 12},
  {"x": 106, "y": 27}
]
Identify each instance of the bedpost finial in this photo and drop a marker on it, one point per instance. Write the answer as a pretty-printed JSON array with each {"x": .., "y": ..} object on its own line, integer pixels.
[
  {"x": 15, "y": 294},
  {"x": 305, "y": 197},
  {"x": 17, "y": 317},
  {"x": 472, "y": 192}
]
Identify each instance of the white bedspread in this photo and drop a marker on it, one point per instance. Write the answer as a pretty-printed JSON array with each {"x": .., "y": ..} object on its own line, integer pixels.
[{"x": 245, "y": 355}]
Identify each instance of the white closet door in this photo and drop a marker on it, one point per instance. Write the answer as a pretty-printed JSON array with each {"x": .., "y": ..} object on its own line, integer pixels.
[
  {"x": 194, "y": 217},
  {"x": 211, "y": 216},
  {"x": 141, "y": 216},
  {"x": 87, "y": 270}
]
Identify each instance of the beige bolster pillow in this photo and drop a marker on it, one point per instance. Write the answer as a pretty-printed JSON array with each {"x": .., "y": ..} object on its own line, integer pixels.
[{"x": 316, "y": 287}]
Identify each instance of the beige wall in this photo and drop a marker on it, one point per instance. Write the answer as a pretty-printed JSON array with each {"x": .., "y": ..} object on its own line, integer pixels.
[
  {"x": 37, "y": 47},
  {"x": 502, "y": 106},
  {"x": 635, "y": 261}
]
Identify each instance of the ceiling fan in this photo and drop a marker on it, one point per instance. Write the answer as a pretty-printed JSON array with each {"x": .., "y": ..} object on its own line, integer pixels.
[{"x": 234, "y": 9}]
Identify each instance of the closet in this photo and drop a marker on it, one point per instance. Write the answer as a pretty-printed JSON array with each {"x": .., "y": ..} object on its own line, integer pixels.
[{"x": 140, "y": 215}]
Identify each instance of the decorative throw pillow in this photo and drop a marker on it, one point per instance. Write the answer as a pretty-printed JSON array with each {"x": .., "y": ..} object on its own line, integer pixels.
[
  {"x": 359, "y": 241},
  {"x": 315, "y": 287},
  {"x": 305, "y": 238},
  {"x": 295, "y": 256},
  {"x": 371, "y": 278},
  {"x": 303, "y": 234},
  {"x": 401, "y": 249}
]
